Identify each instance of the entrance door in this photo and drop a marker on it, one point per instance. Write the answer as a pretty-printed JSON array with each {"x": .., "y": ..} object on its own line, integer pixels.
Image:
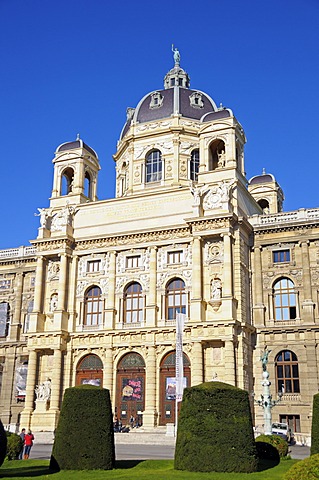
[
  {"x": 90, "y": 371},
  {"x": 168, "y": 386},
  {"x": 130, "y": 390}
]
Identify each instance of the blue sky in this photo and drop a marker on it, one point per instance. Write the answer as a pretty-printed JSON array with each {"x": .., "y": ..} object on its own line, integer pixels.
[{"x": 74, "y": 66}]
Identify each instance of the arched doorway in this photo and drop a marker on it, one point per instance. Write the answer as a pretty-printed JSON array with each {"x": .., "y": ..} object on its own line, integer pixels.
[
  {"x": 90, "y": 371},
  {"x": 130, "y": 389},
  {"x": 168, "y": 386}
]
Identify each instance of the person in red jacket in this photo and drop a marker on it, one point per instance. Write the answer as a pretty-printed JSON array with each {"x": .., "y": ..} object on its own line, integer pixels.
[{"x": 28, "y": 442}]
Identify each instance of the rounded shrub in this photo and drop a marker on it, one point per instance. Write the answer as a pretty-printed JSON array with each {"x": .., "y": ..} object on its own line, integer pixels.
[
  {"x": 266, "y": 451},
  {"x": 315, "y": 425},
  {"x": 3, "y": 444},
  {"x": 307, "y": 469},
  {"x": 14, "y": 446},
  {"x": 215, "y": 431},
  {"x": 84, "y": 438},
  {"x": 276, "y": 441}
]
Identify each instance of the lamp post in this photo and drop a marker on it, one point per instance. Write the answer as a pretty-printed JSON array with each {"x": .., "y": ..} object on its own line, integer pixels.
[{"x": 265, "y": 401}]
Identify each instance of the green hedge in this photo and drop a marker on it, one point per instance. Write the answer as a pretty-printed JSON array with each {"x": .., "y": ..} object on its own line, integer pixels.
[
  {"x": 3, "y": 444},
  {"x": 315, "y": 425},
  {"x": 215, "y": 430},
  {"x": 307, "y": 469},
  {"x": 14, "y": 445},
  {"x": 276, "y": 441},
  {"x": 84, "y": 438}
]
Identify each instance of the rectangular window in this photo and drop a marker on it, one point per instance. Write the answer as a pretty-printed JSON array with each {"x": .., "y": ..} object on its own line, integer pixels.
[
  {"x": 281, "y": 256},
  {"x": 4, "y": 284},
  {"x": 175, "y": 257},
  {"x": 133, "y": 261},
  {"x": 93, "y": 266},
  {"x": 292, "y": 420}
]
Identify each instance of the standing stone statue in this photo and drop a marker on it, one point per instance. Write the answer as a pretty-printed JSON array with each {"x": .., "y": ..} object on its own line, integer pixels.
[
  {"x": 177, "y": 56},
  {"x": 264, "y": 359}
]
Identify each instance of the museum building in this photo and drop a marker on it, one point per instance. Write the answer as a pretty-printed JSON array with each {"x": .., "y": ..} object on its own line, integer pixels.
[{"x": 94, "y": 298}]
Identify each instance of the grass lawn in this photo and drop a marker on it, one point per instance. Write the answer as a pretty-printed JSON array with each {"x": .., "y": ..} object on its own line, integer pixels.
[{"x": 147, "y": 469}]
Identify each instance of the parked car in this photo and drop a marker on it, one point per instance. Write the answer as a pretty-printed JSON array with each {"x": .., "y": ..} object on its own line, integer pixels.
[{"x": 283, "y": 430}]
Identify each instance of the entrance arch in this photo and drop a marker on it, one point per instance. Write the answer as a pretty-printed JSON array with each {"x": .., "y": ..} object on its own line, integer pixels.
[
  {"x": 90, "y": 371},
  {"x": 168, "y": 386},
  {"x": 130, "y": 388}
]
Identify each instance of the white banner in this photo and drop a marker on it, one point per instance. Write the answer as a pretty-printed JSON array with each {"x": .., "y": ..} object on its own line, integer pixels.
[{"x": 180, "y": 320}]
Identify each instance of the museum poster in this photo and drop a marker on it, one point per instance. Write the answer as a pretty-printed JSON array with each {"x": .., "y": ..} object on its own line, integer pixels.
[
  {"x": 21, "y": 381},
  {"x": 132, "y": 389}
]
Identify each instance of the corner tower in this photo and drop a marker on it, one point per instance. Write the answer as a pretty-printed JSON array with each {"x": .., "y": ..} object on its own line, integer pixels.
[{"x": 76, "y": 166}]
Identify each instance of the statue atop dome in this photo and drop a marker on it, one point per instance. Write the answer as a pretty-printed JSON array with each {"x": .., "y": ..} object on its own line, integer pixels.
[{"x": 177, "y": 56}]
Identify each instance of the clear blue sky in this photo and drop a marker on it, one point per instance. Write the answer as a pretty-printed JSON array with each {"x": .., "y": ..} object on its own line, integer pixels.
[{"x": 74, "y": 66}]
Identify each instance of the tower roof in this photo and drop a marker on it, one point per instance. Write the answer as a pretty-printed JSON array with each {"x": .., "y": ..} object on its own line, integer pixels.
[{"x": 78, "y": 143}]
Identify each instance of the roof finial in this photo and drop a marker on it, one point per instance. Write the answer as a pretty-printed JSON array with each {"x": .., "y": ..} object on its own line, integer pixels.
[
  {"x": 264, "y": 171},
  {"x": 177, "y": 56},
  {"x": 78, "y": 136}
]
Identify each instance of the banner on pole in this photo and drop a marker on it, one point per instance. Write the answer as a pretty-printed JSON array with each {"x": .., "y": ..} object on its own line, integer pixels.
[{"x": 180, "y": 320}]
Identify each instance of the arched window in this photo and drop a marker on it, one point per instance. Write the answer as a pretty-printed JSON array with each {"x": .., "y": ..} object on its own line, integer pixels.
[
  {"x": 153, "y": 166},
  {"x": 194, "y": 165},
  {"x": 287, "y": 372},
  {"x": 133, "y": 304},
  {"x": 87, "y": 185},
  {"x": 285, "y": 300},
  {"x": 264, "y": 204},
  {"x": 93, "y": 307},
  {"x": 27, "y": 317},
  {"x": 176, "y": 298},
  {"x": 67, "y": 181},
  {"x": 4, "y": 319},
  {"x": 89, "y": 371},
  {"x": 217, "y": 154}
]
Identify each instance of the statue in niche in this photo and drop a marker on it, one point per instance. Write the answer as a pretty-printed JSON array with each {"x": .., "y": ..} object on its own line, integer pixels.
[
  {"x": 221, "y": 158},
  {"x": 43, "y": 390},
  {"x": 216, "y": 289},
  {"x": 54, "y": 302}
]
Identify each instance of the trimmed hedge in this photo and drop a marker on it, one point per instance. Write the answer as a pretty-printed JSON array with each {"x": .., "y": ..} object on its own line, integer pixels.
[
  {"x": 307, "y": 469},
  {"x": 3, "y": 444},
  {"x": 315, "y": 425},
  {"x": 84, "y": 438},
  {"x": 276, "y": 441},
  {"x": 14, "y": 445},
  {"x": 215, "y": 431}
]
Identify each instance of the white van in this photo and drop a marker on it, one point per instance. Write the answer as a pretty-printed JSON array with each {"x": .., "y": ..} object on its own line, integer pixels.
[{"x": 283, "y": 430}]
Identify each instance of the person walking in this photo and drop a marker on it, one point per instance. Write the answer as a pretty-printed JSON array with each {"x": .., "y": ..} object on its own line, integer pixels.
[
  {"x": 22, "y": 435},
  {"x": 28, "y": 442}
]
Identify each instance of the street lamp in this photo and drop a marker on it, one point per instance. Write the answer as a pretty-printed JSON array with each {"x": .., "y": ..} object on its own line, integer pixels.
[{"x": 265, "y": 401}]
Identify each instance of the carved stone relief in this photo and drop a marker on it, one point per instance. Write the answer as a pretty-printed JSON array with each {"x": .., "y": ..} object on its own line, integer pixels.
[
  {"x": 217, "y": 196},
  {"x": 53, "y": 270}
]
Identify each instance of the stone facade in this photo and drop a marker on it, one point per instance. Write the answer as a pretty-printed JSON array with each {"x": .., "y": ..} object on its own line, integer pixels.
[{"x": 94, "y": 299}]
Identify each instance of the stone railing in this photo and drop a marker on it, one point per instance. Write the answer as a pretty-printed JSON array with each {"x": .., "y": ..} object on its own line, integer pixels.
[
  {"x": 18, "y": 252},
  {"x": 301, "y": 215}
]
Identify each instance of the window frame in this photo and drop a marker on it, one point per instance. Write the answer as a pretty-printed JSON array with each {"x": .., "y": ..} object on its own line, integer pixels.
[
  {"x": 287, "y": 372},
  {"x": 93, "y": 307},
  {"x": 174, "y": 298},
  {"x": 153, "y": 167},
  {"x": 194, "y": 165},
  {"x": 281, "y": 256},
  {"x": 132, "y": 262},
  {"x": 93, "y": 263},
  {"x": 175, "y": 257},
  {"x": 134, "y": 299},
  {"x": 284, "y": 299}
]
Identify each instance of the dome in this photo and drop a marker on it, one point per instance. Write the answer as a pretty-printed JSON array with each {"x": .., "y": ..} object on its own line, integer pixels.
[
  {"x": 175, "y": 99},
  {"x": 263, "y": 178},
  {"x": 78, "y": 143}
]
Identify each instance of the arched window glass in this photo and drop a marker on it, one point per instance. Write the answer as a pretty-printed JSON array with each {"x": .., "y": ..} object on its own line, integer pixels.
[
  {"x": 194, "y": 165},
  {"x": 4, "y": 319},
  {"x": 133, "y": 303},
  {"x": 93, "y": 307},
  {"x": 154, "y": 166},
  {"x": 287, "y": 372},
  {"x": 284, "y": 300},
  {"x": 176, "y": 298}
]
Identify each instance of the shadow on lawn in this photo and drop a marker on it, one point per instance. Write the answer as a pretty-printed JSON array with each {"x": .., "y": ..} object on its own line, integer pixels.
[{"x": 25, "y": 471}]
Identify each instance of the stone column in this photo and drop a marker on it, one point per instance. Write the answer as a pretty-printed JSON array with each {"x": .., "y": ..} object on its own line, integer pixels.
[
  {"x": 56, "y": 379},
  {"x": 149, "y": 415},
  {"x": 151, "y": 304},
  {"x": 308, "y": 311},
  {"x": 110, "y": 310},
  {"x": 29, "y": 398},
  {"x": 230, "y": 367},
  {"x": 38, "y": 290},
  {"x": 108, "y": 371},
  {"x": 228, "y": 267},
  {"x": 62, "y": 281},
  {"x": 258, "y": 306},
  {"x": 196, "y": 299},
  {"x": 16, "y": 320},
  {"x": 197, "y": 364}
]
